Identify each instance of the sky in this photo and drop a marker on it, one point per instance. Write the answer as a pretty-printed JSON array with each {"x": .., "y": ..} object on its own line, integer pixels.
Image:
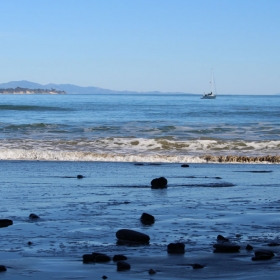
[{"x": 143, "y": 45}]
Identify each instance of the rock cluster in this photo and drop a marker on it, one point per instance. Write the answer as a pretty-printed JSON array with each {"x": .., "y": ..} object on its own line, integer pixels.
[{"x": 243, "y": 159}]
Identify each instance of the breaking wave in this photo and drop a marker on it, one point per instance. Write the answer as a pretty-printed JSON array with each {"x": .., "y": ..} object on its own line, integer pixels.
[{"x": 141, "y": 150}]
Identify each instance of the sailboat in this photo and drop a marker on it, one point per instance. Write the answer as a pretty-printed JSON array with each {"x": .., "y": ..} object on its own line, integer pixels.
[{"x": 211, "y": 94}]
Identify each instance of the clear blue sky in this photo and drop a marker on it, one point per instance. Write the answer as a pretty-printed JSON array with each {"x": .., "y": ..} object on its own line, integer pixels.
[{"x": 143, "y": 45}]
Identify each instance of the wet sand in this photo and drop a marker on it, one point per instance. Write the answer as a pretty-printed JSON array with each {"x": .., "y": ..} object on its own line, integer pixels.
[{"x": 80, "y": 216}]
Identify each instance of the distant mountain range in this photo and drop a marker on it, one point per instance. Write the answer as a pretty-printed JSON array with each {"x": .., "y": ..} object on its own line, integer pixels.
[{"x": 72, "y": 89}]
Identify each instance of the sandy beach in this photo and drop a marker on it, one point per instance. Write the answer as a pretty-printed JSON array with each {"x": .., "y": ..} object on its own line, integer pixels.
[{"x": 81, "y": 216}]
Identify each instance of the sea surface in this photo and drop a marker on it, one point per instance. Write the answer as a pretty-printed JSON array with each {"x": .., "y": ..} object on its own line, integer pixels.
[
  {"x": 138, "y": 128},
  {"x": 119, "y": 144}
]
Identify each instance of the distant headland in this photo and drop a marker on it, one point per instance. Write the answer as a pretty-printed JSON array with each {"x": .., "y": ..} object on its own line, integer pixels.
[
  {"x": 20, "y": 90},
  {"x": 31, "y": 88}
]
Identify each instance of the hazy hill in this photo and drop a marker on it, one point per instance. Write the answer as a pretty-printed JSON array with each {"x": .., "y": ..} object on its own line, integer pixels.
[{"x": 70, "y": 89}]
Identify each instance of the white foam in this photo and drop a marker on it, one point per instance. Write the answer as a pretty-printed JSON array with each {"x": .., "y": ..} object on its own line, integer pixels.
[
  {"x": 131, "y": 149},
  {"x": 20, "y": 154}
]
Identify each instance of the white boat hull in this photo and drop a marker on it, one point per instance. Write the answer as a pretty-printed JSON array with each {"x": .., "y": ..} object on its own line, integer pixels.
[{"x": 208, "y": 97}]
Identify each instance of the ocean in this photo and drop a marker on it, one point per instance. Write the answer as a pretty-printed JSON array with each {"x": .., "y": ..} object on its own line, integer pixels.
[
  {"x": 218, "y": 156},
  {"x": 140, "y": 128}
]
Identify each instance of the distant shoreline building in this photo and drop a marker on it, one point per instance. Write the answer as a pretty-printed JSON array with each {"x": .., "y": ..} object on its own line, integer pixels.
[{"x": 19, "y": 90}]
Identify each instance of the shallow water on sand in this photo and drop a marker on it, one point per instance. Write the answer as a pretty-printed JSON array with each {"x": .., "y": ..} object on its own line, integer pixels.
[{"x": 79, "y": 216}]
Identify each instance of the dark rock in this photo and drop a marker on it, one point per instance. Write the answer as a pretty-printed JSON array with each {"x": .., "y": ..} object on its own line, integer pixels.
[
  {"x": 95, "y": 257},
  {"x": 249, "y": 247},
  {"x": 117, "y": 258},
  {"x": 121, "y": 265},
  {"x": 185, "y": 165},
  {"x": 151, "y": 271},
  {"x": 3, "y": 268},
  {"x": 5, "y": 223},
  {"x": 272, "y": 244},
  {"x": 104, "y": 277},
  {"x": 222, "y": 238},
  {"x": 80, "y": 176},
  {"x": 159, "y": 183},
  {"x": 138, "y": 163},
  {"x": 197, "y": 266},
  {"x": 147, "y": 219},
  {"x": 262, "y": 255},
  {"x": 226, "y": 247},
  {"x": 29, "y": 243},
  {"x": 176, "y": 248},
  {"x": 88, "y": 258},
  {"x": 33, "y": 216},
  {"x": 102, "y": 258},
  {"x": 132, "y": 236}
]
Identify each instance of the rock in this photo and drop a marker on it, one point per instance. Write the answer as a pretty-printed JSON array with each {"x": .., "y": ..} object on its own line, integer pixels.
[
  {"x": 121, "y": 265},
  {"x": 226, "y": 247},
  {"x": 117, "y": 258},
  {"x": 95, "y": 257},
  {"x": 132, "y": 236},
  {"x": 5, "y": 223},
  {"x": 249, "y": 247},
  {"x": 197, "y": 266},
  {"x": 80, "y": 176},
  {"x": 185, "y": 165},
  {"x": 104, "y": 277},
  {"x": 101, "y": 258},
  {"x": 151, "y": 271},
  {"x": 272, "y": 244},
  {"x": 33, "y": 216},
  {"x": 147, "y": 219},
  {"x": 159, "y": 183},
  {"x": 176, "y": 248},
  {"x": 29, "y": 243},
  {"x": 261, "y": 255},
  {"x": 3, "y": 268},
  {"x": 221, "y": 238},
  {"x": 88, "y": 258}
]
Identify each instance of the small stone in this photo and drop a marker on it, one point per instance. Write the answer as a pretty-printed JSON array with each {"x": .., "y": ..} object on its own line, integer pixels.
[
  {"x": 132, "y": 236},
  {"x": 88, "y": 258},
  {"x": 272, "y": 244},
  {"x": 185, "y": 165},
  {"x": 80, "y": 176},
  {"x": 226, "y": 248},
  {"x": 249, "y": 247},
  {"x": 29, "y": 243},
  {"x": 3, "y": 268},
  {"x": 147, "y": 219},
  {"x": 102, "y": 258},
  {"x": 159, "y": 183},
  {"x": 117, "y": 258},
  {"x": 33, "y": 216},
  {"x": 197, "y": 266},
  {"x": 104, "y": 277},
  {"x": 222, "y": 238},
  {"x": 121, "y": 265},
  {"x": 176, "y": 248},
  {"x": 5, "y": 223},
  {"x": 261, "y": 255},
  {"x": 152, "y": 271}
]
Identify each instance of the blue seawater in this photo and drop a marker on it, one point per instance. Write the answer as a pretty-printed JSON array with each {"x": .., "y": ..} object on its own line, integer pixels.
[{"x": 137, "y": 128}]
